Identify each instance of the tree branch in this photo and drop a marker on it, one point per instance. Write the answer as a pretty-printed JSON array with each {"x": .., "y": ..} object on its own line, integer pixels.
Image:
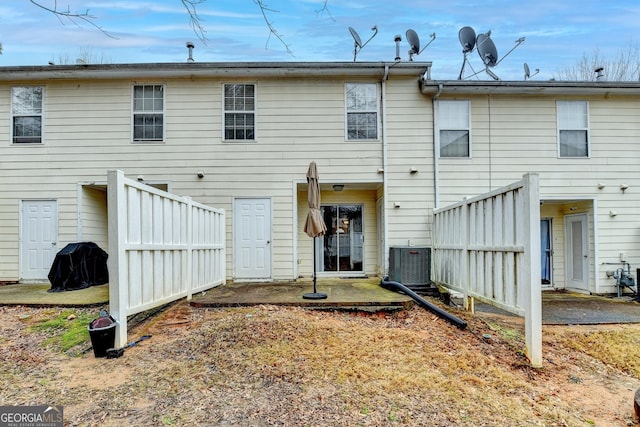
[
  {"x": 72, "y": 17},
  {"x": 325, "y": 9},
  {"x": 194, "y": 19},
  {"x": 272, "y": 31}
]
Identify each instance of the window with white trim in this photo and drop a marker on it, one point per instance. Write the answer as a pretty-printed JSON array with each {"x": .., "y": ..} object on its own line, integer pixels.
[
  {"x": 148, "y": 113},
  {"x": 239, "y": 112},
  {"x": 361, "y": 110},
  {"x": 455, "y": 134},
  {"x": 26, "y": 114},
  {"x": 573, "y": 128}
]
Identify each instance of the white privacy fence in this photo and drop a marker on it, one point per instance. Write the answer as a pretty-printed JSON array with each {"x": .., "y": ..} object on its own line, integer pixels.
[
  {"x": 488, "y": 247},
  {"x": 161, "y": 248}
]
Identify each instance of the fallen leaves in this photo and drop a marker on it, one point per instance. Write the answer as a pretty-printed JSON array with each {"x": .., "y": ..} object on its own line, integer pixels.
[{"x": 271, "y": 365}]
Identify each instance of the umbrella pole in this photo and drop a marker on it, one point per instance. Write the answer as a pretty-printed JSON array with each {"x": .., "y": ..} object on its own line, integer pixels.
[
  {"x": 314, "y": 266},
  {"x": 315, "y": 294}
]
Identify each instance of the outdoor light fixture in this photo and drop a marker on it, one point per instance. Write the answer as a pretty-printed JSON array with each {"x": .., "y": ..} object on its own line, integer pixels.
[
  {"x": 601, "y": 185},
  {"x": 413, "y": 171},
  {"x": 140, "y": 178},
  {"x": 200, "y": 174},
  {"x": 338, "y": 187},
  {"x": 623, "y": 187}
]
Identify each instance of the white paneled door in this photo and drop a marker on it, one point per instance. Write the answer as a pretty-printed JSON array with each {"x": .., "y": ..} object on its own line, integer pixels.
[
  {"x": 252, "y": 239},
  {"x": 38, "y": 238}
]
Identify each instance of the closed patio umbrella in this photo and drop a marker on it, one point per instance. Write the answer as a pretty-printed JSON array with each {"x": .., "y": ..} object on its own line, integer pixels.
[{"x": 314, "y": 226}]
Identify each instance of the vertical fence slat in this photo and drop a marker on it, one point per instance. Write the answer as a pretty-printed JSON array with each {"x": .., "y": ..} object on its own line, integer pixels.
[{"x": 496, "y": 257}]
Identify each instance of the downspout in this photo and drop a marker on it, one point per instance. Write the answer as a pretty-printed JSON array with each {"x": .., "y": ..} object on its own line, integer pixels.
[
  {"x": 385, "y": 197},
  {"x": 436, "y": 149}
]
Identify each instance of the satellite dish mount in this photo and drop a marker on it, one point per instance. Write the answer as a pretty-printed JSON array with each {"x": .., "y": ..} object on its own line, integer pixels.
[{"x": 357, "y": 41}]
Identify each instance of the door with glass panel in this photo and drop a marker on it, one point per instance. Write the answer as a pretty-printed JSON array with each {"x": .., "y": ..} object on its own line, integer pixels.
[
  {"x": 341, "y": 249},
  {"x": 546, "y": 251}
]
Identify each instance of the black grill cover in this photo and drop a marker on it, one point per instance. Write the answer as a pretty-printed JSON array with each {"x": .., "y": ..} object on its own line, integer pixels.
[{"x": 78, "y": 266}]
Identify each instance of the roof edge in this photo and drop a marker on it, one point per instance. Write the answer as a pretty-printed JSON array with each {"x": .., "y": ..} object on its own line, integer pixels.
[
  {"x": 211, "y": 69},
  {"x": 436, "y": 88}
]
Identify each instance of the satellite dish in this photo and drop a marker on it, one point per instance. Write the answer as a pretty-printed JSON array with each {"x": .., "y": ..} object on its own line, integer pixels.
[
  {"x": 356, "y": 37},
  {"x": 357, "y": 41},
  {"x": 527, "y": 72},
  {"x": 487, "y": 50},
  {"x": 414, "y": 43},
  {"x": 467, "y": 38}
]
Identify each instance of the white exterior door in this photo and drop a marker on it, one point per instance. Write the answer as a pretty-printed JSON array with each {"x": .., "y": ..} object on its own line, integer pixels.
[
  {"x": 38, "y": 238},
  {"x": 577, "y": 251},
  {"x": 252, "y": 239}
]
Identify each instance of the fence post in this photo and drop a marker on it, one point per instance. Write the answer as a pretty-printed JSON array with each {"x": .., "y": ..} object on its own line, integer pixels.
[
  {"x": 190, "y": 238},
  {"x": 465, "y": 284},
  {"x": 533, "y": 296},
  {"x": 118, "y": 286}
]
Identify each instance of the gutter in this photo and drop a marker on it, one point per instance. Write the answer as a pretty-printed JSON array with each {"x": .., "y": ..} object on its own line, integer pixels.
[
  {"x": 528, "y": 87},
  {"x": 203, "y": 70}
]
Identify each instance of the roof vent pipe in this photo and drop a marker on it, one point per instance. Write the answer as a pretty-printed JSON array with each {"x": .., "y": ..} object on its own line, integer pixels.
[
  {"x": 190, "y": 46},
  {"x": 397, "y": 39},
  {"x": 599, "y": 70}
]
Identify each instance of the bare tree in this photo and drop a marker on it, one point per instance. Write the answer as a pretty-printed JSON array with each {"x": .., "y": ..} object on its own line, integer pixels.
[
  {"x": 191, "y": 6},
  {"x": 194, "y": 19},
  {"x": 67, "y": 15},
  {"x": 623, "y": 67},
  {"x": 272, "y": 30},
  {"x": 83, "y": 56}
]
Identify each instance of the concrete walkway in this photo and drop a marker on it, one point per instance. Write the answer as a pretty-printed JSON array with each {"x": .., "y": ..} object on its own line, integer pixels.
[{"x": 566, "y": 308}]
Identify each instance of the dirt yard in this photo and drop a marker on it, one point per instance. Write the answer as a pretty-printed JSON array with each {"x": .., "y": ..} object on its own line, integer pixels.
[{"x": 273, "y": 366}]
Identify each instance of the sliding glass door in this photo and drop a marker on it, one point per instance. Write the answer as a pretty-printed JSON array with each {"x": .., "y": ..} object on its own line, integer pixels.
[{"x": 342, "y": 247}]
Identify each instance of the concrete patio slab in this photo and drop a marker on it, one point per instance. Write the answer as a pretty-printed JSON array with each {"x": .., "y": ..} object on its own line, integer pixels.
[
  {"x": 341, "y": 293},
  {"x": 36, "y": 294}
]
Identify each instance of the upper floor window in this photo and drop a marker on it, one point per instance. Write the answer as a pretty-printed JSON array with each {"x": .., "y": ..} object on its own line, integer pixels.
[
  {"x": 148, "y": 113},
  {"x": 26, "y": 114},
  {"x": 239, "y": 112},
  {"x": 573, "y": 128},
  {"x": 362, "y": 110},
  {"x": 453, "y": 122}
]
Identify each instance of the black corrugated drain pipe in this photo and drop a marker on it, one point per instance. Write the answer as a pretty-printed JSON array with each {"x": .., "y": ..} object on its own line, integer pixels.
[{"x": 399, "y": 287}]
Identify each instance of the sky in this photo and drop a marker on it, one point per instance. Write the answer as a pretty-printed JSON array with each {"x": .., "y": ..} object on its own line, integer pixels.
[{"x": 557, "y": 33}]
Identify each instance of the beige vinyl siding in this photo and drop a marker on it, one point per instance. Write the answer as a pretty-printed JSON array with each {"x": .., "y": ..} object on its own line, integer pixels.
[
  {"x": 514, "y": 135},
  {"x": 87, "y": 131},
  {"x": 410, "y": 145},
  {"x": 93, "y": 216}
]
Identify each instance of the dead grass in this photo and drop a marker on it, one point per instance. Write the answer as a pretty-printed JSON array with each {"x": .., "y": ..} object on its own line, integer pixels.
[
  {"x": 266, "y": 365},
  {"x": 619, "y": 348}
]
